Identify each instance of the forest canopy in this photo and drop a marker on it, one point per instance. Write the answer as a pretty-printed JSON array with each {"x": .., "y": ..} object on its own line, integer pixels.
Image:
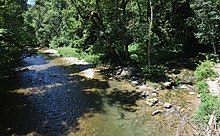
[{"x": 119, "y": 32}]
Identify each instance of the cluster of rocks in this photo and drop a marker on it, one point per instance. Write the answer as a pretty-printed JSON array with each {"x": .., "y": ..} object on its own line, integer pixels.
[
  {"x": 150, "y": 96},
  {"x": 133, "y": 74}
]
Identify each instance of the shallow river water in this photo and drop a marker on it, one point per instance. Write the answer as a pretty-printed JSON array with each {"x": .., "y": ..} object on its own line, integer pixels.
[{"x": 54, "y": 97}]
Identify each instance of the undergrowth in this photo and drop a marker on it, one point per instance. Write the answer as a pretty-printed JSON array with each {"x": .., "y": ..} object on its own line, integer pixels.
[
  {"x": 209, "y": 103},
  {"x": 74, "y": 52}
]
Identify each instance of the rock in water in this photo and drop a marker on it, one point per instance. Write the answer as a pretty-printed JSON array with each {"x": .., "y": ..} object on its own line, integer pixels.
[
  {"x": 192, "y": 93},
  {"x": 167, "y": 105},
  {"x": 151, "y": 102},
  {"x": 156, "y": 112},
  {"x": 167, "y": 85},
  {"x": 134, "y": 82}
]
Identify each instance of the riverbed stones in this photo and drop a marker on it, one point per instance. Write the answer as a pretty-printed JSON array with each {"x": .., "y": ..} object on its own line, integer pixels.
[
  {"x": 156, "y": 112},
  {"x": 154, "y": 94},
  {"x": 151, "y": 101},
  {"x": 167, "y": 105},
  {"x": 192, "y": 93}
]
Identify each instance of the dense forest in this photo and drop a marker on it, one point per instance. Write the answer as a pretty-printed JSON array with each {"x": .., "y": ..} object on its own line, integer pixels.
[
  {"x": 117, "y": 32},
  {"x": 142, "y": 33}
]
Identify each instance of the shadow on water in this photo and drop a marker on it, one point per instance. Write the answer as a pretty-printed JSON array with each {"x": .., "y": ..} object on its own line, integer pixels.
[
  {"x": 48, "y": 100},
  {"x": 125, "y": 99}
]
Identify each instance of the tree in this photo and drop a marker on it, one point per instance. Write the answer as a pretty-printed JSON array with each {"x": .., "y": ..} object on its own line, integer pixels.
[
  {"x": 207, "y": 20},
  {"x": 15, "y": 35}
]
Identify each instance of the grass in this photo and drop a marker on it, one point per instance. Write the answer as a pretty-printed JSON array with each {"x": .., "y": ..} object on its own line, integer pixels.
[{"x": 74, "y": 52}]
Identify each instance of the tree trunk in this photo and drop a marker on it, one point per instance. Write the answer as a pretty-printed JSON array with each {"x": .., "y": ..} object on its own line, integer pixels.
[
  {"x": 124, "y": 4},
  {"x": 150, "y": 33}
]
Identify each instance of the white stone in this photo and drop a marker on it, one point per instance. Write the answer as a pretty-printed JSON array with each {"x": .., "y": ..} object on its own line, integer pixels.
[
  {"x": 167, "y": 105},
  {"x": 192, "y": 93},
  {"x": 50, "y": 51},
  {"x": 154, "y": 94},
  {"x": 134, "y": 82}
]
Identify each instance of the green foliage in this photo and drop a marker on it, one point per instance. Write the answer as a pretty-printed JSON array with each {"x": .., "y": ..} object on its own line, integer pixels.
[
  {"x": 68, "y": 52},
  {"x": 154, "y": 72},
  {"x": 137, "y": 53},
  {"x": 202, "y": 86},
  {"x": 15, "y": 34},
  {"x": 207, "y": 20},
  {"x": 74, "y": 52},
  {"x": 205, "y": 70},
  {"x": 209, "y": 103}
]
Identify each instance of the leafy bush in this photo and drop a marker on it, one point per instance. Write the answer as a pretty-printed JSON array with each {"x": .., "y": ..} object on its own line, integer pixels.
[
  {"x": 204, "y": 71},
  {"x": 137, "y": 53},
  {"x": 69, "y": 52},
  {"x": 154, "y": 72}
]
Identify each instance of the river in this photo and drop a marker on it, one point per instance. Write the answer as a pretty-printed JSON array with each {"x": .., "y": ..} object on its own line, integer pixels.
[{"x": 54, "y": 97}]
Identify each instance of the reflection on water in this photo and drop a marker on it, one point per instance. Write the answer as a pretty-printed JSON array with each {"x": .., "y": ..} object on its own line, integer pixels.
[{"x": 54, "y": 98}]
